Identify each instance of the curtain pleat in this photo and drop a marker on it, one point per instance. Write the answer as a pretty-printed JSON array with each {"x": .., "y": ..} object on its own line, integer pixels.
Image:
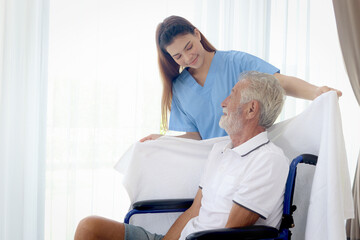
[
  {"x": 348, "y": 26},
  {"x": 352, "y": 225},
  {"x": 23, "y": 98}
]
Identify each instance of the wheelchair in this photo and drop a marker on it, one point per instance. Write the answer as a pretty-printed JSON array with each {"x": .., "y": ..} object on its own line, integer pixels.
[{"x": 246, "y": 233}]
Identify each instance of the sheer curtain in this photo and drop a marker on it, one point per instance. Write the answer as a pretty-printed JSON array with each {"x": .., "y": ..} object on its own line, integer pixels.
[
  {"x": 23, "y": 87},
  {"x": 104, "y": 86},
  {"x": 297, "y": 36},
  {"x": 104, "y": 94}
]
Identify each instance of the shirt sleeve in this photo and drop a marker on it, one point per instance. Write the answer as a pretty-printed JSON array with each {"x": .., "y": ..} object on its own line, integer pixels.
[
  {"x": 179, "y": 121},
  {"x": 263, "y": 184},
  {"x": 204, "y": 175},
  {"x": 250, "y": 62}
]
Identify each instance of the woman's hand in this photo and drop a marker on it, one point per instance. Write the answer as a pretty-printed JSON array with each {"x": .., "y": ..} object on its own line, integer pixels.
[
  {"x": 151, "y": 137},
  {"x": 324, "y": 89}
]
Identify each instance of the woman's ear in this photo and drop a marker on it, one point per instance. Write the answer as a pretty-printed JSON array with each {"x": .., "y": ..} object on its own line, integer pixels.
[{"x": 197, "y": 33}]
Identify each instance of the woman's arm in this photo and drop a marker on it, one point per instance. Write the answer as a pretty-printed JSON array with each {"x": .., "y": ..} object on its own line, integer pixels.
[
  {"x": 296, "y": 87},
  {"x": 190, "y": 135}
]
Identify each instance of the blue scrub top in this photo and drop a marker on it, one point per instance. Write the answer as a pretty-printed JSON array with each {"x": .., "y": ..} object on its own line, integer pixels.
[{"x": 197, "y": 108}]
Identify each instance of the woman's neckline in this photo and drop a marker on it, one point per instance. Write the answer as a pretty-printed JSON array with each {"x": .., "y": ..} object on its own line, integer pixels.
[{"x": 202, "y": 77}]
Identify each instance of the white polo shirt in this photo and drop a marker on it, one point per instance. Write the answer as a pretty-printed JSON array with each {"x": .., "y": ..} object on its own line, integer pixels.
[{"x": 252, "y": 175}]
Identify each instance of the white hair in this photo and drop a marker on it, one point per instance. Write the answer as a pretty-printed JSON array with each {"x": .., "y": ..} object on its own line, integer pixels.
[{"x": 265, "y": 89}]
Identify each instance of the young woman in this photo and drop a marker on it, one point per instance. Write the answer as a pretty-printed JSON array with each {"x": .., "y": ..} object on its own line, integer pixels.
[{"x": 197, "y": 78}]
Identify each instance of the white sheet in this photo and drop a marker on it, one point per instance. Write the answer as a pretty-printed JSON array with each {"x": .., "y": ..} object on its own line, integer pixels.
[{"x": 171, "y": 167}]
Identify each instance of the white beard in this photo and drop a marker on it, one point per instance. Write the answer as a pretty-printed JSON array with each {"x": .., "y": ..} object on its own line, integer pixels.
[{"x": 230, "y": 123}]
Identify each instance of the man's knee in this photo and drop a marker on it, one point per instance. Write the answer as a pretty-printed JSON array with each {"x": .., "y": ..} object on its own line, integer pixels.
[
  {"x": 89, "y": 222},
  {"x": 95, "y": 227},
  {"x": 88, "y": 228}
]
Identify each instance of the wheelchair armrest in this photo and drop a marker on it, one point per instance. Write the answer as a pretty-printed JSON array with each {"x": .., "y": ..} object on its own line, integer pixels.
[
  {"x": 159, "y": 206},
  {"x": 246, "y": 233},
  {"x": 163, "y": 204},
  {"x": 309, "y": 159}
]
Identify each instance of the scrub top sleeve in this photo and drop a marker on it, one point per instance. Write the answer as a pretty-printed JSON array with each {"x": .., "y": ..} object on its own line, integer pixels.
[
  {"x": 263, "y": 184},
  {"x": 252, "y": 63},
  {"x": 179, "y": 121}
]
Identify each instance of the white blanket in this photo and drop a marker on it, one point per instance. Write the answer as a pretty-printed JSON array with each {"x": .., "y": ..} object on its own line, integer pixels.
[{"x": 171, "y": 167}]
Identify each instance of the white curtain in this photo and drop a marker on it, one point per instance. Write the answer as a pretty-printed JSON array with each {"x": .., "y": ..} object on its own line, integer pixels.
[
  {"x": 104, "y": 94},
  {"x": 104, "y": 86},
  {"x": 23, "y": 87}
]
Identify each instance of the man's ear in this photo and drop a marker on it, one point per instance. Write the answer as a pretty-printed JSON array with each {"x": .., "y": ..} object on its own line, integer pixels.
[{"x": 252, "y": 109}]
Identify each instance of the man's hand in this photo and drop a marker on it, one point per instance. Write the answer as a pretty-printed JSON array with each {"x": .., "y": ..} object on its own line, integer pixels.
[
  {"x": 324, "y": 89},
  {"x": 151, "y": 137}
]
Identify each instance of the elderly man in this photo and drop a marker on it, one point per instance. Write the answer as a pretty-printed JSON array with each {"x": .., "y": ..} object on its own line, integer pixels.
[{"x": 244, "y": 180}]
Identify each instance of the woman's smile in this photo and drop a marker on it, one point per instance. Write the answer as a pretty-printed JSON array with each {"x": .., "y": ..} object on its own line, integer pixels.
[{"x": 195, "y": 60}]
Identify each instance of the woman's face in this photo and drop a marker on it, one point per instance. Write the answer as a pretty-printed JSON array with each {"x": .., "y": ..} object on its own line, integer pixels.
[{"x": 187, "y": 51}]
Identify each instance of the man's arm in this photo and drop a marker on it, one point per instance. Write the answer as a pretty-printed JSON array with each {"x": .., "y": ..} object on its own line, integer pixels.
[
  {"x": 296, "y": 87},
  {"x": 241, "y": 217},
  {"x": 176, "y": 229}
]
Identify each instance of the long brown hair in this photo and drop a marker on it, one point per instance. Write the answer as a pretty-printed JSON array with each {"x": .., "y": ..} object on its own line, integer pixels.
[{"x": 165, "y": 33}]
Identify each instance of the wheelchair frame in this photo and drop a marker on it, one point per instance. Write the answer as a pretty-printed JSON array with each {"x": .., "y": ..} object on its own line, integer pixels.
[{"x": 247, "y": 233}]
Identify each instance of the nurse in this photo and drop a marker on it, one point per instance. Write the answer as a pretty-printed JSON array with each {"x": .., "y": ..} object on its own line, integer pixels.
[{"x": 197, "y": 78}]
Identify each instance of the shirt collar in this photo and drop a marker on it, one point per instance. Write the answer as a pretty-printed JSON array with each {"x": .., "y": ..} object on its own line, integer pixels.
[{"x": 250, "y": 145}]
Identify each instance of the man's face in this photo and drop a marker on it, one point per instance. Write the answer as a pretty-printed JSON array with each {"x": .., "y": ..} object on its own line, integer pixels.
[{"x": 232, "y": 120}]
